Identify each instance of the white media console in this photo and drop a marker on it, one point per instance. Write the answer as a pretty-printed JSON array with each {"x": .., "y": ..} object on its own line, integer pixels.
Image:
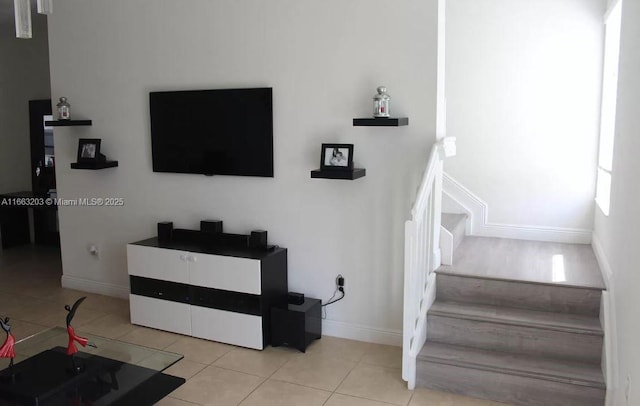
[{"x": 213, "y": 292}]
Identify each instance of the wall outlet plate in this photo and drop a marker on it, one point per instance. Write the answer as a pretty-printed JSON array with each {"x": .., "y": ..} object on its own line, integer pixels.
[{"x": 93, "y": 249}]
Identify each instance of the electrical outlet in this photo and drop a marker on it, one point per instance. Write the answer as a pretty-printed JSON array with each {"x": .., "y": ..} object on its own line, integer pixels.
[
  {"x": 627, "y": 390},
  {"x": 340, "y": 283},
  {"x": 93, "y": 250}
]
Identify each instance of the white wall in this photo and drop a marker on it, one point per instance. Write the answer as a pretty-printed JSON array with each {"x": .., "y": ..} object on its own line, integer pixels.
[
  {"x": 324, "y": 61},
  {"x": 24, "y": 76},
  {"x": 619, "y": 233},
  {"x": 523, "y": 87}
]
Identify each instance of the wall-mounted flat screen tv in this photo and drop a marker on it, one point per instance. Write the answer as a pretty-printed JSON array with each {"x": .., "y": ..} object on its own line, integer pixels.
[{"x": 213, "y": 132}]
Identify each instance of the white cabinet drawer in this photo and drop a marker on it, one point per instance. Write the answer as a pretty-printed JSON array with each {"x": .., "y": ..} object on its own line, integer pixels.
[
  {"x": 228, "y": 327},
  {"x": 160, "y": 314},
  {"x": 158, "y": 263},
  {"x": 226, "y": 273}
]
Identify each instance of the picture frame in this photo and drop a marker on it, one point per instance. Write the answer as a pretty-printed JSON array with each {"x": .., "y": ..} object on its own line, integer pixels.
[
  {"x": 336, "y": 157},
  {"x": 89, "y": 150}
]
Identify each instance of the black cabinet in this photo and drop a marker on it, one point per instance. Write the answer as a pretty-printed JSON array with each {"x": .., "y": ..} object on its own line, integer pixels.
[
  {"x": 14, "y": 226},
  {"x": 14, "y": 219},
  {"x": 296, "y": 325}
]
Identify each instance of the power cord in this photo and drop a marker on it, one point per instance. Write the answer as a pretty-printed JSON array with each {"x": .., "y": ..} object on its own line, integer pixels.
[{"x": 333, "y": 299}]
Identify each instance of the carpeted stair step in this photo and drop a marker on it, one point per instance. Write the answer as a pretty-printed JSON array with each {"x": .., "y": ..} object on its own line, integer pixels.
[
  {"x": 527, "y": 295},
  {"x": 509, "y": 377},
  {"x": 528, "y": 332}
]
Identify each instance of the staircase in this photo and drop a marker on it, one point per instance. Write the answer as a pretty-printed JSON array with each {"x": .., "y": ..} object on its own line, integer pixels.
[
  {"x": 517, "y": 340},
  {"x": 452, "y": 233},
  {"x": 454, "y": 223}
]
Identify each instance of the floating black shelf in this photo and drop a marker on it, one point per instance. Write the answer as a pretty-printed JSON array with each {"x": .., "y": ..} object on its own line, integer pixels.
[
  {"x": 94, "y": 165},
  {"x": 381, "y": 122},
  {"x": 348, "y": 174},
  {"x": 67, "y": 123}
]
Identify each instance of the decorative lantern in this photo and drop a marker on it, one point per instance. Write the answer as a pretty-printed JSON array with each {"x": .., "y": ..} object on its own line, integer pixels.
[
  {"x": 64, "y": 109},
  {"x": 381, "y": 103}
]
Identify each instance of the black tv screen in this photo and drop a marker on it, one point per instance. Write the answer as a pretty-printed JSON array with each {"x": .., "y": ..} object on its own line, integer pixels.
[{"x": 213, "y": 132}]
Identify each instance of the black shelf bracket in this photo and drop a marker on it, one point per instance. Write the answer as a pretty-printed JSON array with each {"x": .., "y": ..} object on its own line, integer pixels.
[
  {"x": 67, "y": 123},
  {"x": 94, "y": 165},
  {"x": 347, "y": 174},
  {"x": 381, "y": 122}
]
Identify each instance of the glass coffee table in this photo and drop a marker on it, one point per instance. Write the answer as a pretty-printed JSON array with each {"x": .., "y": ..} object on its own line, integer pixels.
[{"x": 114, "y": 373}]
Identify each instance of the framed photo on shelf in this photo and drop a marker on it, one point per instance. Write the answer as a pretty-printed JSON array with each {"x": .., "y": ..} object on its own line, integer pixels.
[
  {"x": 336, "y": 157},
  {"x": 89, "y": 150}
]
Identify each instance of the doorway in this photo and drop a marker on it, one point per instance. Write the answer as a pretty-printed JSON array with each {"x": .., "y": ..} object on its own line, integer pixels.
[{"x": 43, "y": 174}]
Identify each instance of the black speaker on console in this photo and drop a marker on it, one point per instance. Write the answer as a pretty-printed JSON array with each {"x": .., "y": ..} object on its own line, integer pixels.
[
  {"x": 165, "y": 231},
  {"x": 258, "y": 239},
  {"x": 296, "y": 298},
  {"x": 211, "y": 226}
]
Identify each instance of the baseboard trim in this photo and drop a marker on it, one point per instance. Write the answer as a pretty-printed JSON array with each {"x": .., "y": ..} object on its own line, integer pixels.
[
  {"x": 535, "y": 233},
  {"x": 329, "y": 327},
  {"x": 361, "y": 333},
  {"x": 478, "y": 220},
  {"x": 446, "y": 246},
  {"x": 610, "y": 368},
  {"x": 88, "y": 285},
  {"x": 475, "y": 208},
  {"x": 608, "y": 318},
  {"x": 603, "y": 261}
]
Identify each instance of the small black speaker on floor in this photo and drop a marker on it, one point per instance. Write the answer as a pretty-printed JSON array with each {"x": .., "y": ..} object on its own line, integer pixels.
[
  {"x": 211, "y": 226},
  {"x": 165, "y": 231},
  {"x": 258, "y": 239},
  {"x": 296, "y": 298}
]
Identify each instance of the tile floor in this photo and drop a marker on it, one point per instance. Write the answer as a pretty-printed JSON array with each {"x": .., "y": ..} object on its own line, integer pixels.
[{"x": 333, "y": 371}]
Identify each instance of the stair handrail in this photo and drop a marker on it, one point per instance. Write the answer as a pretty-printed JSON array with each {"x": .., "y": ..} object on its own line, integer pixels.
[{"x": 422, "y": 257}]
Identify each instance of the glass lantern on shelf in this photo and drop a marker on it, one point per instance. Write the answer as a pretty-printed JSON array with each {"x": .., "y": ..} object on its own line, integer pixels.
[
  {"x": 64, "y": 109},
  {"x": 381, "y": 103}
]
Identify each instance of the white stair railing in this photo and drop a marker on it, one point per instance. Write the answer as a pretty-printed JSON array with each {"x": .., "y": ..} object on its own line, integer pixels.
[{"x": 422, "y": 257}]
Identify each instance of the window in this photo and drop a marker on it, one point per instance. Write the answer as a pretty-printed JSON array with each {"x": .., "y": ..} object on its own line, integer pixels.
[{"x": 608, "y": 112}]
